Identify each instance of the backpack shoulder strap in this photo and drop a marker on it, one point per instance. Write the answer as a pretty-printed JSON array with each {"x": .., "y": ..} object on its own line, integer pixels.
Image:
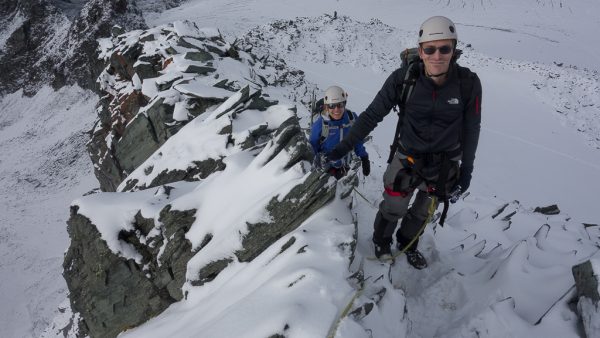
[
  {"x": 467, "y": 81},
  {"x": 408, "y": 83},
  {"x": 351, "y": 117},
  {"x": 325, "y": 126},
  {"x": 324, "y": 129}
]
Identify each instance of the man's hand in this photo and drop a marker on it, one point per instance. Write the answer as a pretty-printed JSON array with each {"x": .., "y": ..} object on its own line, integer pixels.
[
  {"x": 366, "y": 165},
  {"x": 455, "y": 194}
]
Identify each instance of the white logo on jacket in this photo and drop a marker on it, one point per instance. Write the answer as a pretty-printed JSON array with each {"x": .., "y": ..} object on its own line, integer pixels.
[{"x": 453, "y": 101}]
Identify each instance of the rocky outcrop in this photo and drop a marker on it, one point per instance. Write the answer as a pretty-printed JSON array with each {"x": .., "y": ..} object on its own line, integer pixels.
[
  {"x": 120, "y": 275},
  {"x": 179, "y": 140},
  {"x": 113, "y": 294},
  {"x": 587, "y": 276},
  {"x": 156, "y": 81}
]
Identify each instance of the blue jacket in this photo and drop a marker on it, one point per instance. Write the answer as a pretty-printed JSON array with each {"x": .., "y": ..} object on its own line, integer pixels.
[{"x": 334, "y": 136}]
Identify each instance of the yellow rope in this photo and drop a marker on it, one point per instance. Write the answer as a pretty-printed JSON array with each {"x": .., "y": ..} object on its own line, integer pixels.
[
  {"x": 363, "y": 197},
  {"x": 348, "y": 307},
  {"x": 430, "y": 211},
  {"x": 344, "y": 313}
]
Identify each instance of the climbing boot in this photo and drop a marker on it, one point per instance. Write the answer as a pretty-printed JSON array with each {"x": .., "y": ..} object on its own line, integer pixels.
[
  {"x": 413, "y": 255},
  {"x": 416, "y": 259},
  {"x": 383, "y": 252}
]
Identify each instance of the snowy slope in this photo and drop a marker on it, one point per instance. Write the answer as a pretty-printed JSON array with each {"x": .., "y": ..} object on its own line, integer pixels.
[
  {"x": 517, "y": 130},
  {"x": 43, "y": 166},
  {"x": 530, "y": 30},
  {"x": 539, "y": 145}
]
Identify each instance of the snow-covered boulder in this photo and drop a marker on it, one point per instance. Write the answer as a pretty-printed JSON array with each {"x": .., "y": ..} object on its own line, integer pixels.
[
  {"x": 132, "y": 253},
  {"x": 156, "y": 81}
]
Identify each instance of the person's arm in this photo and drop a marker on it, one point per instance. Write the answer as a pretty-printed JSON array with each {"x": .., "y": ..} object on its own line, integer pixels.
[
  {"x": 315, "y": 136},
  {"x": 470, "y": 136},
  {"x": 359, "y": 148},
  {"x": 384, "y": 101}
]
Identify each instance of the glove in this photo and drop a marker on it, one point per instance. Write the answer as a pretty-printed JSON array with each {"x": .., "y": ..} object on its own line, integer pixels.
[
  {"x": 464, "y": 180},
  {"x": 366, "y": 165},
  {"x": 336, "y": 154},
  {"x": 455, "y": 194}
]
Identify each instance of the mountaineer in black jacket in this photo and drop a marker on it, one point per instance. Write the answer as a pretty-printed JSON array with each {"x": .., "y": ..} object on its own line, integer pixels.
[{"x": 438, "y": 133}]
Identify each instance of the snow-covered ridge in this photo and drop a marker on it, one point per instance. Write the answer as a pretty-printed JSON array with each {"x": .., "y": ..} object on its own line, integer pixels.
[
  {"x": 330, "y": 40},
  {"x": 225, "y": 188},
  {"x": 158, "y": 79},
  {"x": 557, "y": 23},
  {"x": 572, "y": 93}
]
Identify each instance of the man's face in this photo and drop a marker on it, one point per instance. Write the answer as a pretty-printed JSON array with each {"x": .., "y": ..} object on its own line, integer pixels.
[
  {"x": 437, "y": 62},
  {"x": 336, "y": 110}
]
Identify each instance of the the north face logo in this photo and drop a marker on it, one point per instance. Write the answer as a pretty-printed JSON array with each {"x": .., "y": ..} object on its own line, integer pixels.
[{"x": 453, "y": 101}]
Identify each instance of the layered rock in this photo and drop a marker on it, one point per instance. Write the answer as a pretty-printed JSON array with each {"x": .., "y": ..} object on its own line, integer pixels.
[
  {"x": 155, "y": 82},
  {"x": 185, "y": 131},
  {"x": 587, "y": 277},
  {"x": 131, "y": 252}
]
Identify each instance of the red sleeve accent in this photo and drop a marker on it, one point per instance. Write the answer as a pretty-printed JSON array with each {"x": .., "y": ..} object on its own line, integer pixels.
[
  {"x": 477, "y": 105},
  {"x": 391, "y": 192}
]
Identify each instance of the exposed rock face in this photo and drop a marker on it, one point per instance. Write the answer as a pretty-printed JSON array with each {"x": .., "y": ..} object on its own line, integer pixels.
[
  {"x": 111, "y": 293},
  {"x": 32, "y": 24},
  {"x": 587, "y": 276},
  {"x": 45, "y": 46},
  {"x": 170, "y": 118},
  {"x": 120, "y": 282}
]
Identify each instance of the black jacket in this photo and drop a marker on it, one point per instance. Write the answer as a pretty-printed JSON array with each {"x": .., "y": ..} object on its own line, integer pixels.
[{"x": 435, "y": 120}]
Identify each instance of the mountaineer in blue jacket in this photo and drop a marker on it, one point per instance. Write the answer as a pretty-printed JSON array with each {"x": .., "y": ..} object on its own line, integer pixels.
[{"x": 331, "y": 128}]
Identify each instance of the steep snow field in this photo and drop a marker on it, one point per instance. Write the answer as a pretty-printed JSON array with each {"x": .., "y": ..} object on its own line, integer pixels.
[
  {"x": 43, "y": 167},
  {"x": 539, "y": 145}
]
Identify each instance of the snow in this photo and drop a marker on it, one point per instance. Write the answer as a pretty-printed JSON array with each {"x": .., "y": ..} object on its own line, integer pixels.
[
  {"x": 195, "y": 88},
  {"x": 11, "y": 26},
  {"x": 43, "y": 167},
  {"x": 489, "y": 276},
  {"x": 275, "y": 288}
]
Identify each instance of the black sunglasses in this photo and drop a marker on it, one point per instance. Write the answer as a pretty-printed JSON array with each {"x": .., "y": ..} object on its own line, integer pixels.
[
  {"x": 336, "y": 105},
  {"x": 430, "y": 50}
]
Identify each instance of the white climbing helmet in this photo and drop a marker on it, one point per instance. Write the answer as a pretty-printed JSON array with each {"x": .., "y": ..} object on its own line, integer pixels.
[
  {"x": 335, "y": 94},
  {"x": 437, "y": 28}
]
